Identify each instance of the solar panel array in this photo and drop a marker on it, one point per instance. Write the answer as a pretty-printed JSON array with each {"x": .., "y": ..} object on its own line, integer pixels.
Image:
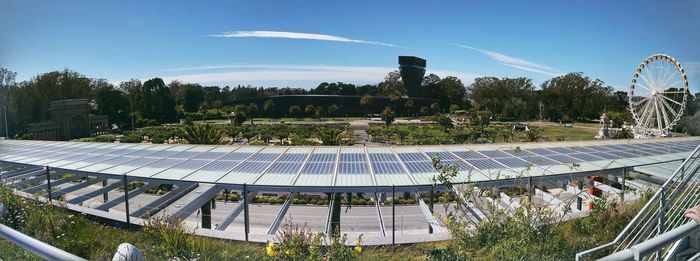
[{"x": 327, "y": 166}]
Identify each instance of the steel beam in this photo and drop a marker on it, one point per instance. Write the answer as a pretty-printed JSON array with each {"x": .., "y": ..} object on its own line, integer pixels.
[
  {"x": 34, "y": 177},
  {"x": 107, "y": 205},
  {"x": 163, "y": 201},
  {"x": 19, "y": 172},
  {"x": 95, "y": 193},
  {"x": 77, "y": 186},
  {"x": 382, "y": 228},
  {"x": 432, "y": 221},
  {"x": 228, "y": 219},
  {"x": 206, "y": 194},
  {"x": 280, "y": 215},
  {"x": 53, "y": 184}
]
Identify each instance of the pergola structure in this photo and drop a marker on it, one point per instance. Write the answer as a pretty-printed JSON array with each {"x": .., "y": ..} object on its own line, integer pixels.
[{"x": 102, "y": 172}]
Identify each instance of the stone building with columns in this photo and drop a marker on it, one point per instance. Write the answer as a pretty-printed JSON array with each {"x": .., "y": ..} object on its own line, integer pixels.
[{"x": 70, "y": 119}]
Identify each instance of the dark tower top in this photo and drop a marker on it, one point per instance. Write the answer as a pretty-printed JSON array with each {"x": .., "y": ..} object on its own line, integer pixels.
[{"x": 412, "y": 71}]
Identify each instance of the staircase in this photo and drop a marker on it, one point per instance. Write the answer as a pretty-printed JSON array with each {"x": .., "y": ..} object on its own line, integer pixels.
[{"x": 659, "y": 231}]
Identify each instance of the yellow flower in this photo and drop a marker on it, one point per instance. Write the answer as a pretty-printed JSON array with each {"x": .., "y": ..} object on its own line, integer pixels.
[
  {"x": 358, "y": 249},
  {"x": 270, "y": 249}
]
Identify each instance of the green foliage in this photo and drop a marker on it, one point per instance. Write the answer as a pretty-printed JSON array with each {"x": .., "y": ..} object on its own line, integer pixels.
[
  {"x": 101, "y": 138},
  {"x": 533, "y": 134},
  {"x": 624, "y": 133},
  {"x": 387, "y": 116},
  {"x": 333, "y": 136},
  {"x": 444, "y": 121},
  {"x": 202, "y": 134},
  {"x": 690, "y": 124},
  {"x": 295, "y": 110}
]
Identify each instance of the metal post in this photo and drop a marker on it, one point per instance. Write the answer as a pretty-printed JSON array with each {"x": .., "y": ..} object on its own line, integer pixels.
[
  {"x": 105, "y": 196},
  {"x": 393, "y": 215},
  {"x": 662, "y": 211},
  {"x": 430, "y": 206},
  {"x": 206, "y": 215},
  {"x": 48, "y": 181},
  {"x": 529, "y": 189},
  {"x": 245, "y": 211},
  {"x": 7, "y": 132},
  {"x": 126, "y": 201},
  {"x": 213, "y": 203},
  {"x": 622, "y": 191}
]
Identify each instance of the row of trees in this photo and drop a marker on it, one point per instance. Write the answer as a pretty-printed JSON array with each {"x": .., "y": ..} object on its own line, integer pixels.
[{"x": 570, "y": 97}]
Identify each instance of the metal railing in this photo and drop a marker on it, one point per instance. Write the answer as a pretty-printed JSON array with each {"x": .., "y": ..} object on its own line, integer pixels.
[
  {"x": 663, "y": 212},
  {"x": 651, "y": 246},
  {"x": 35, "y": 246}
]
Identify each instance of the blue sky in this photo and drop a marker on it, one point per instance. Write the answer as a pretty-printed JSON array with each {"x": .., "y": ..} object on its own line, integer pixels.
[{"x": 302, "y": 43}]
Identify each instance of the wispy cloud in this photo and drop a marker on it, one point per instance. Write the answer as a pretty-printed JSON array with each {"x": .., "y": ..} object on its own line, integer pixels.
[
  {"x": 514, "y": 62},
  {"x": 692, "y": 68},
  {"x": 292, "y": 75},
  {"x": 295, "y": 35}
]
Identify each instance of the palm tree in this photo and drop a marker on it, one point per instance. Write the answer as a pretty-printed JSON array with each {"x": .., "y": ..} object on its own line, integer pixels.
[
  {"x": 332, "y": 110},
  {"x": 252, "y": 111},
  {"x": 268, "y": 107},
  {"x": 202, "y": 134},
  {"x": 333, "y": 136},
  {"x": 366, "y": 101}
]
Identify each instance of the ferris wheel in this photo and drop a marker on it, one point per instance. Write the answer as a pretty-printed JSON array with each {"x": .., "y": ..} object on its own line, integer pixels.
[{"x": 658, "y": 95}]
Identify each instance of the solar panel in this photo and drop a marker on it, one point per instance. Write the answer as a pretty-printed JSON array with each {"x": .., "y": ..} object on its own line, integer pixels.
[{"x": 512, "y": 162}]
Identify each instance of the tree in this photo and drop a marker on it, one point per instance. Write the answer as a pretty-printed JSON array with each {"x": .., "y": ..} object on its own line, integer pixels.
[
  {"x": 387, "y": 116},
  {"x": 333, "y": 136},
  {"x": 203, "y": 109},
  {"x": 113, "y": 103},
  {"x": 435, "y": 107},
  {"x": 294, "y": 110},
  {"x": 252, "y": 111},
  {"x": 240, "y": 114},
  {"x": 424, "y": 110},
  {"x": 454, "y": 108},
  {"x": 332, "y": 110},
  {"x": 153, "y": 100},
  {"x": 509, "y": 98},
  {"x": 202, "y": 134},
  {"x": 408, "y": 105},
  {"x": 444, "y": 121},
  {"x": 7, "y": 80},
  {"x": 192, "y": 97},
  {"x": 366, "y": 101},
  {"x": 451, "y": 91},
  {"x": 269, "y": 107},
  {"x": 319, "y": 112},
  {"x": 309, "y": 110},
  {"x": 575, "y": 97},
  {"x": 392, "y": 87}
]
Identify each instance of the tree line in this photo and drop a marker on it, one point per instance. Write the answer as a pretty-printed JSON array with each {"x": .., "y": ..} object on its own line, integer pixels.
[{"x": 566, "y": 98}]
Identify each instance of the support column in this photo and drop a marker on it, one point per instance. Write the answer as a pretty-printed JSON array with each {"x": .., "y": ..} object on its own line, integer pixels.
[
  {"x": 126, "y": 201},
  {"x": 213, "y": 203},
  {"x": 206, "y": 215},
  {"x": 529, "y": 189},
  {"x": 105, "y": 196},
  {"x": 430, "y": 206},
  {"x": 579, "y": 200},
  {"x": 246, "y": 223},
  {"x": 48, "y": 181},
  {"x": 335, "y": 213},
  {"x": 393, "y": 215},
  {"x": 622, "y": 191}
]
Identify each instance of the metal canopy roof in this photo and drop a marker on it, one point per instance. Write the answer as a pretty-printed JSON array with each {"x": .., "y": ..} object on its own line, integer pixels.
[{"x": 338, "y": 166}]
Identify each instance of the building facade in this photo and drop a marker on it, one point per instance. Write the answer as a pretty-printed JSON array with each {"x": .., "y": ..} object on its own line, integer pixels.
[{"x": 70, "y": 119}]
